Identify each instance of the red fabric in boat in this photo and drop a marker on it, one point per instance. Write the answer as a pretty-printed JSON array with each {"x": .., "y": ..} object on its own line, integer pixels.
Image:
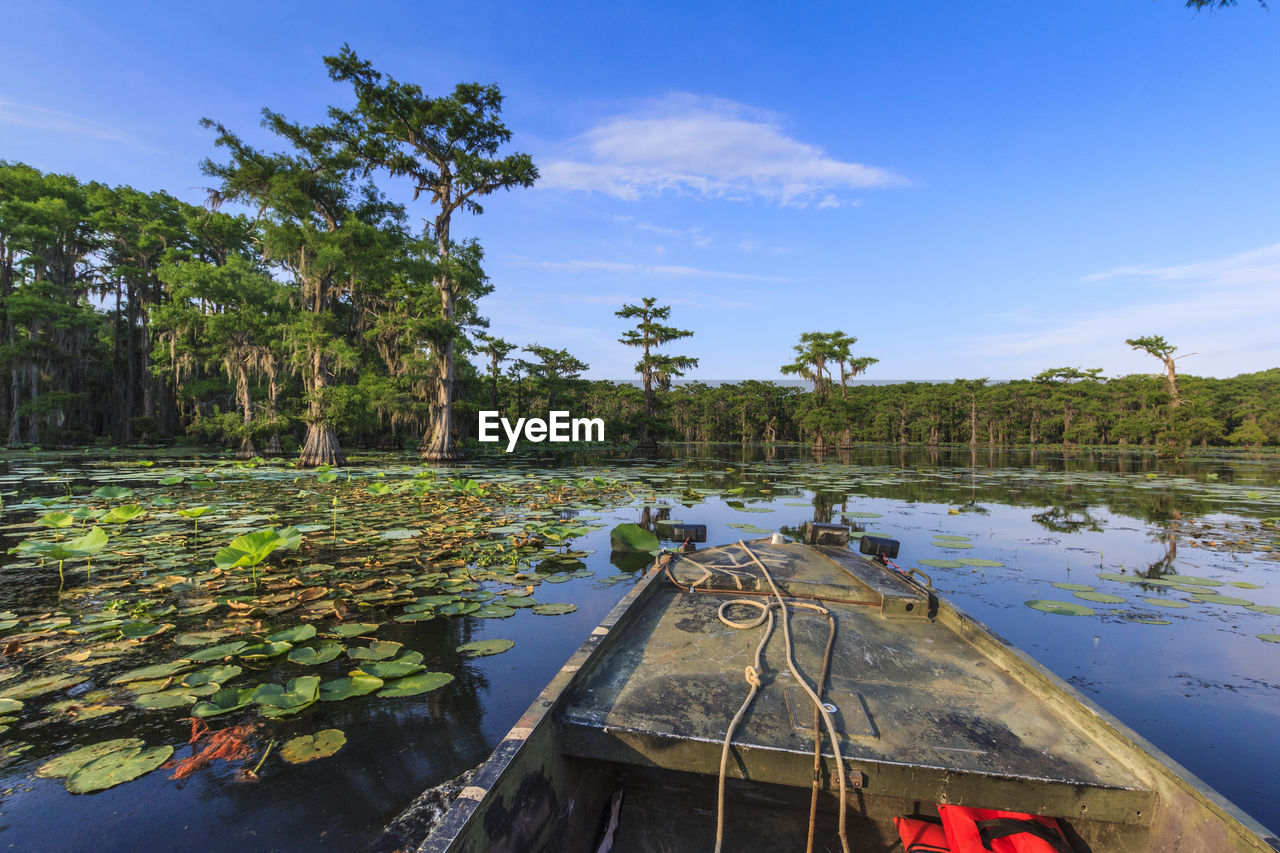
[
  {"x": 977, "y": 830},
  {"x": 921, "y": 836}
]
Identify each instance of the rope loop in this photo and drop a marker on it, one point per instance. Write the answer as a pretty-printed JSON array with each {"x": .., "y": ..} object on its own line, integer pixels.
[{"x": 753, "y": 677}]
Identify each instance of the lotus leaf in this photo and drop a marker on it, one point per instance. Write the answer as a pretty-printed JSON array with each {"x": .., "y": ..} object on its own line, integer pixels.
[
  {"x": 164, "y": 699},
  {"x": 495, "y": 611},
  {"x": 211, "y": 675},
  {"x": 224, "y": 701},
  {"x": 69, "y": 762},
  {"x": 632, "y": 537},
  {"x": 554, "y": 609},
  {"x": 1166, "y": 602},
  {"x": 1194, "y": 581},
  {"x": 558, "y": 577},
  {"x": 345, "y": 688},
  {"x": 1100, "y": 597},
  {"x": 1212, "y": 598},
  {"x": 388, "y": 669},
  {"x": 353, "y": 629},
  {"x": 159, "y": 670},
  {"x": 261, "y": 651},
  {"x": 377, "y": 650},
  {"x": 416, "y": 684},
  {"x": 141, "y": 628},
  {"x": 218, "y": 652},
  {"x": 938, "y": 563},
  {"x": 459, "y": 608},
  {"x": 1269, "y": 609},
  {"x": 306, "y": 748},
  {"x": 110, "y": 493},
  {"x": 116, "y": 768},
  {"x": 1269, "y": 638},
  {"x": 416, "y": 616},
  {"x": 277, "y": 701},
  {"x": 528, "y": 600},
  {"x": 950, "y": 536},
  {"x": 56, "y": 519},
  {"x": 315, "y": 655},
  {"x": 1062, "y": 608},
  {"x": 481, "y": 648},
  {"x": 978, "y": 562},
  {"x": 1077, "y": 587},
  {"x": 123, "y": 514},
  {"x": 951, "y": 543},
  {"x": 296, "y": 634}
]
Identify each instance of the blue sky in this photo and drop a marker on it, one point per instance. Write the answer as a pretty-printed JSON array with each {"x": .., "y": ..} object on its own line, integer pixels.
[{"x": 972, "y": 189}]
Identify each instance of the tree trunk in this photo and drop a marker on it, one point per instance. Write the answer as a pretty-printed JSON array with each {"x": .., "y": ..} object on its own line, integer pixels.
[
  {"x": 437, "y": 443},
  {"x": 273, "y": 446},
  {"x": 1171, "y": 379},
  {"x": 33, "y": 422},
  {"x": 321, "y": 447},
  {"x": 247, "y": 450}
]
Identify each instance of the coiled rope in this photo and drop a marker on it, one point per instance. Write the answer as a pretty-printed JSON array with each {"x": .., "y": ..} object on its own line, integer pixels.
[{"x": 752, "y": 675}]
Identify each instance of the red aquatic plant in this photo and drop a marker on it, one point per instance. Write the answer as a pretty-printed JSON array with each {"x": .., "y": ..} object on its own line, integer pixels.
[{"x": 229, "y": 744}]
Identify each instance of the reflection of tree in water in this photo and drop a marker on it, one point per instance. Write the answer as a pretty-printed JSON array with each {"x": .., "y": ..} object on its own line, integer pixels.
[
  {"x": 1067, "y": 519},
  {"x": 1166, "y": 564}
]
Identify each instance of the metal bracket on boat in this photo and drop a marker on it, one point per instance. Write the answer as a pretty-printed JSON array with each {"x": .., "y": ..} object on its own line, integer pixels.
[{"x": 928, "y": 581}]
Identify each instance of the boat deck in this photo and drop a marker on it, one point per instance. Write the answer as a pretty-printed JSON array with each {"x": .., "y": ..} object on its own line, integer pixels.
[{"x": 923, "y": 712}]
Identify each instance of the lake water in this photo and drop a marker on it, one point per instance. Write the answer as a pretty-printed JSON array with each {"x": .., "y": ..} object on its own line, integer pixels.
[{"x": 1178, "y": 656}]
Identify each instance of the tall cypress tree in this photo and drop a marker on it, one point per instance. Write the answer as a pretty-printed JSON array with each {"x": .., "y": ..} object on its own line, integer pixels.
[{"x": 648, "y": 335}]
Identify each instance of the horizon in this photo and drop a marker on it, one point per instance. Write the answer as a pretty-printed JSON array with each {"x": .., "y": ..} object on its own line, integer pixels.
[{"x": 1001, "y": 191}]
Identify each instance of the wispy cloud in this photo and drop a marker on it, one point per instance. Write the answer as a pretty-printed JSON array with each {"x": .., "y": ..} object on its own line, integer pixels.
[
  {"x": 54, "y": 121},
  {"x": 707, "y": 147},
  {"x": 671, "y": 270},
  {"x": 1222, "y": 309}
]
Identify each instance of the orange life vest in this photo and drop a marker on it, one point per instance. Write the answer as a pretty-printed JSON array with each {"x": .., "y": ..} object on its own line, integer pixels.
[
  {"x": 976, "y": 830},
  {"x": 921, "y": 836}
]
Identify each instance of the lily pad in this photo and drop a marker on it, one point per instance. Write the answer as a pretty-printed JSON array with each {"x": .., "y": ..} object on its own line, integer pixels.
[
  {"x": 1269, "y": 609},
  {"x": 1173, "y": 603},
  {"x": 554, "y": 609},
  {"x": 496, "y": 611},
  {"x": 345, "y": 688},
  {"x": 222, "y": 650},
  {"x": 388, "y": 669},
  {"x": 377, "y": 650},
  {"x": 1269, "y": 638},
  {"x": 226, "y": 700},
  {"x": 951, "y": 543},
  {"x": 315, "y": 655},
  {"x": 416, "y": 684},
  {"x": 116, "y": 768},
  {"x": 296, "y": 634},
  {"x": 937, "y": 563},
  {"x": 166, "y": 699},
  {"x": 1100, "y": 597},
  {"x": 347, "y": 630},
  {"x": 1075, "y": 587},
  {"x": 282, "y": 701},
  {"x": 1213, "y": 598},
  {"x": 978, "y": 562},
  {"x": 481, "y": 648},
  {"x": 306, "y": 748},
  {"x": 632, "y": 537},
  {"x": 1062, "y": 608},
  {"x": 262, "y": 651},
  {"x": 69, "y": 762}
]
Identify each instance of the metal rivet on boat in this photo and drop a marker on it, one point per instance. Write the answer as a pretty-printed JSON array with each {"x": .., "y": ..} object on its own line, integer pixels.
[{"x": 829, "y": 708}]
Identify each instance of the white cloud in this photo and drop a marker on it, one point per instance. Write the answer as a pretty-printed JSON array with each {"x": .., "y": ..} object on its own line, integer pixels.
[
  {"x": 672, "y": 270},
  {"x": 1223, "y": 310},
  {"x": 43, "y": 118},
  {"x": 707, "y": 147}
]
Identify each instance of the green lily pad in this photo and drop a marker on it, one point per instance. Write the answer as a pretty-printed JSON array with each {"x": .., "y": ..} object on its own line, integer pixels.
[
  {"x": 166, "y": 699},
  {"x": 388, "y": 669},
  {"x": 978, "y": 562},
  {"x": 8, "y": 706},
  {"x": 347, "y": 630},
  {"x": 1075, "y": 587},
  {"x": 306, "y": 748},
  {"x": 459, "y": 608},
  {"x": 116, "y": 768},
  {"x": 481, "y": 648},
  {"x": 954, "y": 537},
  {"x": 281, "y": 701},
  {"x": 296, "y": 634},
  {"x": 1245, "y": 585},
  {"x": 1269, "y": 638},
  {"x": 554, "y": 609},
  {"x": 160, "y": 670},
  {"x": 1195, "y": 581},
  {"x": 69, "y": 762},
  {"x": 377, "y": 650},
  {"x": 211, "y": 675},
  {"x": 218, "y": 652},
  {"x": 495, "y": 611},
  {"x": 1062, "y": 608},
  {"x": 951, "y": 543},
  {"x": 315, "y": 655},
  {"x": 141, "y": 629},
  {"x": 345, "y": 688},
  {"x": 416, "y": 684},
  {"x": 1213, "y": 598},
  {"x": 632, "y": 537},
  {"x": 524, "y": 600},
  {"x": 1167, "y": 602},
  {"x": 936, "y": 563},
  {"x": 1269, "y": 609},
  {"x": 262, "y": 651},
  {"x": 1100, "y": 597},
  {"x": 226, "y": 700}
]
